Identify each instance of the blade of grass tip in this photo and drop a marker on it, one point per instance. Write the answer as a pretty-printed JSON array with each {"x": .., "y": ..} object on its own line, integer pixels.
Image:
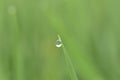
[
  {"x": 69, "y": 63},
  {"x": 17, "y": 54}
]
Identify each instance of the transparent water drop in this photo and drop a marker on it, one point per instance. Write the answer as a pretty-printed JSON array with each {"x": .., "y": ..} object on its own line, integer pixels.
[{"x": 58, "y": 42}]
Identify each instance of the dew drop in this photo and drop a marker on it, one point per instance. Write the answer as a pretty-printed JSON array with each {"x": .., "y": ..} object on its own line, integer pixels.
[{"x": 58, "y": 43}]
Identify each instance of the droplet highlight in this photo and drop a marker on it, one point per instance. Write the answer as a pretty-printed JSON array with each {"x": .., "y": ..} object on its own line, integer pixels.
[{"x": 58, "y": 42}]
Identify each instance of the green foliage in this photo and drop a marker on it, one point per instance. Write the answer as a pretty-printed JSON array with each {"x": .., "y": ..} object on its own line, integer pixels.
[{"x": 89, "y": 29}]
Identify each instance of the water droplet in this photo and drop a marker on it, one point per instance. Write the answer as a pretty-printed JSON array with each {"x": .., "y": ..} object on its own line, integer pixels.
[{"x": 58, "y": 42}]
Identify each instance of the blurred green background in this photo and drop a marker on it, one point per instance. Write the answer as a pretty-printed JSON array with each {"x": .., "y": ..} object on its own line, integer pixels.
[{"x": 89, "y": 30}]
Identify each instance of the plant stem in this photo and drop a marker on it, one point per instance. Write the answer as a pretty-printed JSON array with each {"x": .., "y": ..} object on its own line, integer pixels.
[{"x": 69, "y": 63}]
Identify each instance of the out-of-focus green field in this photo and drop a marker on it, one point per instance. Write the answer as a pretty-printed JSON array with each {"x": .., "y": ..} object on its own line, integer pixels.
[{"x": 90, "y": 31}]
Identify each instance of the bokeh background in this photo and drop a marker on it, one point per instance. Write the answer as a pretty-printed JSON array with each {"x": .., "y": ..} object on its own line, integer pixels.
[{"x": 89, "y": 30}]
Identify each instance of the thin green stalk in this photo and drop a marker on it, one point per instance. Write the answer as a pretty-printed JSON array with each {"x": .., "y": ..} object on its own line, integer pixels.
[
  {"x": 69, "y": 63},
  {"x": 17, "y": 47}
]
